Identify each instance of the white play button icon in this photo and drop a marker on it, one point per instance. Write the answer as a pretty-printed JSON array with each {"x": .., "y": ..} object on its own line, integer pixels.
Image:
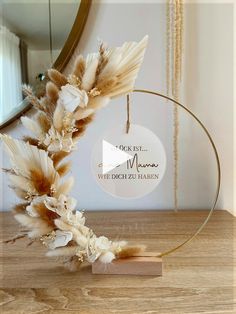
[
  {"x": 112, "y": 157},
  {"x": 129, "y": 165}
]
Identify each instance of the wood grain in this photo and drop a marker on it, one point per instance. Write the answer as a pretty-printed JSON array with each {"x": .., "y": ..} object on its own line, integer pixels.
[{"x": 199, "y": 278}]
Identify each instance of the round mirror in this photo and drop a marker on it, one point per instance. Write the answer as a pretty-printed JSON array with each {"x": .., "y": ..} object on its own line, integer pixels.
[{"x": 34, "y": 36}]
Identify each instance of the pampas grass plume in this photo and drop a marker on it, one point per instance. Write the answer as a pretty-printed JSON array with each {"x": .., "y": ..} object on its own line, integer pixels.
[
  {"x": 79, "y": 67},
  {"x": 129, "y": 251},
  {"x": 52, "y": 92},
  {"x": 58, "y": 78}
]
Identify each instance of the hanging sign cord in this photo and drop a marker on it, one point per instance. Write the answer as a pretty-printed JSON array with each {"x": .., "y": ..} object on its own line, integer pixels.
[
  {"x": 128, "y": 114},
  {"x": 50, "y": 30}
]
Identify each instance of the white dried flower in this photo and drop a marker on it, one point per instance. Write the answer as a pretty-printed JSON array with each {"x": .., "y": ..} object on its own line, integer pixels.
[
  {"x": 97, "y": 246},
  {"x": 58, "y": 142},
  {"x": 103, "y": 243},
  {"x": 107, "y": 257},
  {"x": 72, "y": 97},
  {"x": 57, "y": 239}
]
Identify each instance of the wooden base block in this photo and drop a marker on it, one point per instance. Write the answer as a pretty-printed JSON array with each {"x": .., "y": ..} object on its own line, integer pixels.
[{"x": 146, "y": 264}]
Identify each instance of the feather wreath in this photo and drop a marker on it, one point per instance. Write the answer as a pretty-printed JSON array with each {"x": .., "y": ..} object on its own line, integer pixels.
[{"x": 47, "y": 212}]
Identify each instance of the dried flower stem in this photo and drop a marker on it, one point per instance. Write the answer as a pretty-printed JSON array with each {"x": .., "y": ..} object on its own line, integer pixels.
[{"x": 13, "y": 240}]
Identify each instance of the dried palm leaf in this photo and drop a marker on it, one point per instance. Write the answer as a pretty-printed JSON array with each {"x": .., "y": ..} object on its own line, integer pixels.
[
  {"x": 123, "y": 65},
  {"x": 34, "y": 169},
  {"x": 33, "y": 126},
  {"x": 22, "y": 185},
  {"x": 90, "y": 72},
  {"x": 98, "y": 102},
  {"x": 105, "y": 86}
]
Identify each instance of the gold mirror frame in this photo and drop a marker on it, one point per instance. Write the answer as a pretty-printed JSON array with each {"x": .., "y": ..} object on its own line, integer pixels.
[
  {"x": 211, "y": 142},
  {"x": 66, "y": 52}
]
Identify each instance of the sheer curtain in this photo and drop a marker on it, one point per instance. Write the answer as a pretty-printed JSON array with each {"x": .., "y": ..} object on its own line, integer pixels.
[{"x": 10, "y": 73}]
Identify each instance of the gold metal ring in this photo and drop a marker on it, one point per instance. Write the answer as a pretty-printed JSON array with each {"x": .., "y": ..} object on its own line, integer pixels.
[{"x": 217, "y": 162}]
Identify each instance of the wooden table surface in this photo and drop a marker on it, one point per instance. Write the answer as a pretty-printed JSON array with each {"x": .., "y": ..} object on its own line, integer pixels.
[{"x": 196, "y": 279}]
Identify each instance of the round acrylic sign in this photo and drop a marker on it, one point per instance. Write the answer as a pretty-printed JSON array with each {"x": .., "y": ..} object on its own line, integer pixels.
[{"x": 129, "y": 165}]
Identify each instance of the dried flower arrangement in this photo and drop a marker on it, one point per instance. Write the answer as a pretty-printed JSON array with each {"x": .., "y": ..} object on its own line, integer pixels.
[{"x": 48, "y": 213}]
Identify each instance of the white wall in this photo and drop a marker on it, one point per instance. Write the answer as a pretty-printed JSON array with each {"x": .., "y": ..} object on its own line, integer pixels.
[
  {"x": 234, "y": 143},
  {"x": 208, "y": 81},
  {"x": 39, "y": 61},
  {"x": 207, "y": 89}
]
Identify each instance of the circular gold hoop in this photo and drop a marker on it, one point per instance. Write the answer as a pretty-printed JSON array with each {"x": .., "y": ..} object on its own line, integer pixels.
[{"x": 217, "y": 162}]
